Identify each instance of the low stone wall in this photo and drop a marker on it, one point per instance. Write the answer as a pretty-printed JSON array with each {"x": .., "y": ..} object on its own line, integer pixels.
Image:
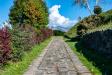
[{"x": 100, "y": 41}]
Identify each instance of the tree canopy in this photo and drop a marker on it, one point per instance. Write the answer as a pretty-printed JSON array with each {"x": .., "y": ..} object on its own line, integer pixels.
[
  {"x": 85, "y": 3},
  {"x": 33, "y": 12}
]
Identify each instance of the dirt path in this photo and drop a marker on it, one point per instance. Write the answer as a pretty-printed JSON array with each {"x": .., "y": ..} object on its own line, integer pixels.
[{"x": 57, "y": 59}]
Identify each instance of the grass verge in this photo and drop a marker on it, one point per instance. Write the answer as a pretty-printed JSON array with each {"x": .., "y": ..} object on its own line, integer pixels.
[
  {"x": 20, "y": 67},
  {"x": 83, "y": 59}
]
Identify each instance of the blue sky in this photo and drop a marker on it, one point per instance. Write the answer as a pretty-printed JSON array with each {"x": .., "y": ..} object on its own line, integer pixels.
[
  {"x": 64, "y": 14},
  {"x": 65, "y": 9},
  {"x": 4, "y": 9},
  {"x": 73, "y": 11}
]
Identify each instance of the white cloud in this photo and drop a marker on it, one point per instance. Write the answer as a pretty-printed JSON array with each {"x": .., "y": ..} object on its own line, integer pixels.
[{"x": 56, "y": 20}]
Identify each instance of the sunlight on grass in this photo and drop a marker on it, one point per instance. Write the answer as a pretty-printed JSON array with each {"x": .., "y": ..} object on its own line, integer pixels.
[{"x": 20, "y": 67}]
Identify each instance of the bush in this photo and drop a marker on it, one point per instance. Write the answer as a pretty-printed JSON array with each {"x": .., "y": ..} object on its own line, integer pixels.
[
  {"x": 23, "y": 39},
  {"x": 58, "y": 33},
  {"x": 19, "y": 40},
  {"x": 5, "y": 45},
  {"x": 18, "y": 43},
  {"x": 45, "y": 33},
  {"x": 81, "y": 29},
  {"x": 94, "y": 21}
]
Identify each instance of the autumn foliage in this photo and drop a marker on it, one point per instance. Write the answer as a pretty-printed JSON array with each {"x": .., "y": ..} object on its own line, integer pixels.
[
  {"x": 28, "y": 19},
  {"x": 32, "y": 12},
  {"x": 5, "y": 45}
]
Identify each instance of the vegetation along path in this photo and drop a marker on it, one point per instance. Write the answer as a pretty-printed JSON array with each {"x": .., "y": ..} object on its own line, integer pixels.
[{"x": 57, "y": 59}]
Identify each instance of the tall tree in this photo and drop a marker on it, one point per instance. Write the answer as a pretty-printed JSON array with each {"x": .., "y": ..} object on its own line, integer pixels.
[
  {"x": 97, "y": 1},
  {"x": 84, "y": 3},
  {"x": 33, "y": 12}
]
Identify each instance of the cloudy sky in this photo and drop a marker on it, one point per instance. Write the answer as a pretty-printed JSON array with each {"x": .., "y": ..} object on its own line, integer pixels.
[
  {"x": 61, "y": 12},
  {"x": 56, "y": 19}
]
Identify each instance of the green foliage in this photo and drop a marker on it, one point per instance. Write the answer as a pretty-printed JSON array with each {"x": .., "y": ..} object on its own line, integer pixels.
[
  {"x": 29, "y": 19},
  {"x": 106, "y": 16},
  {"x": 20, "y": 67},
  {"x": 84, "y": 59},
  {"x": 81, "y": 29},
  {"x": 97, "y": 10},
  {"x": 23, "y": 39},
  {"x": 58, "y": 33},
  {"x": 19, "y": 44},
  {"x": 91, "y": 23},
  {"x": 72, "y": 32},
  {"x": 101, "y": 28},
  {"x": 29, "y": 12},
  {"x": 94, "y": 21},
  {"x": 95, "y": 43}
]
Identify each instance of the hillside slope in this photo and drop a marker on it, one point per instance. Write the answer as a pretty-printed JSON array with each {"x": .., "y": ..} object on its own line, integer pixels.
[
  {"x": 93, "y": 22},
  {"x": 95, "y": 40}
]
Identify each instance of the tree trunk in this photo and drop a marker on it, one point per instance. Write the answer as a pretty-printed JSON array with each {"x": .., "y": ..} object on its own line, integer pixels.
[
  {"x": 88, "y": 7},
  {"x": 97, "y": 2}
]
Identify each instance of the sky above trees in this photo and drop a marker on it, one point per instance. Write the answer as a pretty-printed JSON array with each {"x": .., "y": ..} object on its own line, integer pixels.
[
  {"x": 4, "y": 9},
  {"x": 66, "y": 10},
  {"x": 65, "y": 13},
  {"x": 69, "y": 10}
]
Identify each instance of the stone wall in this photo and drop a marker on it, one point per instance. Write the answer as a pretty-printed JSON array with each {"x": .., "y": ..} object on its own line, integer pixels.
[{"x": 100, "y": 41}]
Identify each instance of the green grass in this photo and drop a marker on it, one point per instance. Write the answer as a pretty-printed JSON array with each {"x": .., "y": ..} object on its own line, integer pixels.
[
  {"x": 83, "y": 59},
  {"x": 20, "y": 67},
  {"x": 98, "y": 69},
  {"x": 72, "y": 32}
]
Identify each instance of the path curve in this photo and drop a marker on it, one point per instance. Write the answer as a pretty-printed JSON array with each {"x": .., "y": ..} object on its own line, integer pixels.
[{"x": 57, "y": 59}]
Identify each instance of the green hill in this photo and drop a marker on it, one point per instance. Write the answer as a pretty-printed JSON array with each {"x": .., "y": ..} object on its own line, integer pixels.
[
  {"x": 92, "y": 23},
  {"x": 94, "y": 41}
]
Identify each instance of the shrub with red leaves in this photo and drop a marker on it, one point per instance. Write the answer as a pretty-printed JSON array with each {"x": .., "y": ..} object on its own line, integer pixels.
[
  {"x": 22, "y": 40},
  {"x": 5, "y": 45}
]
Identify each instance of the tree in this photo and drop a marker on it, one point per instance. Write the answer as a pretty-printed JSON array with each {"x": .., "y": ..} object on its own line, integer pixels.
[
  {"x": 86, "y": 4},
  {"x": 33, "y": 12},
  {"x": 97, "y": 1},
  {"x": 97, "y": 10}
]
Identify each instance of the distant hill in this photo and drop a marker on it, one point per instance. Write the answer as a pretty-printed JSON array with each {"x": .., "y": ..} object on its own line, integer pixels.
[{"x": 62, "y": 28}]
